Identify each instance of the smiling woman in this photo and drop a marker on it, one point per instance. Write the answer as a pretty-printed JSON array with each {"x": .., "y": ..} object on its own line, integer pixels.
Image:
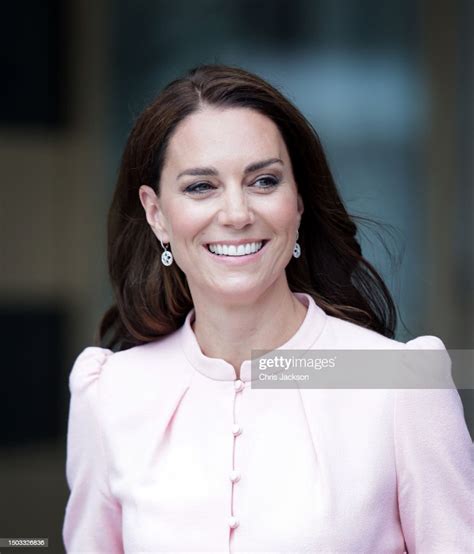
[
  {"x": 232, "y": 224},
  {"x": 227, "y": 235},
  {"x": 204, "y": 133}
]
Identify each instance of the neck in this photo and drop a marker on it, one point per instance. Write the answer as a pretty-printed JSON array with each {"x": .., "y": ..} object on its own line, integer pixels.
[{"x": 230, "y": 330}]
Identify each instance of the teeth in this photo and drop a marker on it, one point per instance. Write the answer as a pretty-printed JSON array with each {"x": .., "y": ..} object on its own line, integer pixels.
[{"x": 232, "y": 250}]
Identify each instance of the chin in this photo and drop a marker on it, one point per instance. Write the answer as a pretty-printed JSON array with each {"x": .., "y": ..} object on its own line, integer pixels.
[
  {"x": 236, "y": 292},
  {"x": 234, "y": 289}
]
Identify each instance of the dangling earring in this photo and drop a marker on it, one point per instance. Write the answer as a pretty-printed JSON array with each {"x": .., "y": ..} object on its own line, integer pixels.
[
  {"x": 166, "y": 256},
  {"x": 297, "y": 247}
]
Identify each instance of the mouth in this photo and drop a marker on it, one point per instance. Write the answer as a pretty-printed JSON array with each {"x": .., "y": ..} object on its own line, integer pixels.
[{"x": 236, "y": 250}]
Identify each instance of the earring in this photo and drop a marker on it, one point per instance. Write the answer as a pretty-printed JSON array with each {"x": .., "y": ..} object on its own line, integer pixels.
[
  {"x": 166, "y": 256},
  {"x": 297, "y": 247}
]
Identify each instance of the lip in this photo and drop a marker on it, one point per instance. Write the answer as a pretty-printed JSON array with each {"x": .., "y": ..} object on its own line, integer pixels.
[
  {"x": 237, "y": 260},
  {"x": 235, "y": 242}
]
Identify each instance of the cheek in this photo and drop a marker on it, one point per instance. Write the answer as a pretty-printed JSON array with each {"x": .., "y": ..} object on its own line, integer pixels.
[
  {"x": 185, "y": 223},
  {"x": 284, "y": 212}
]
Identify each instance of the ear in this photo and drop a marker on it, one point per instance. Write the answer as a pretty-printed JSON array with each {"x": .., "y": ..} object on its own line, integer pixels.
[
  {"x": 300, "y": 205},
  {"x": 154, "y": 214}
]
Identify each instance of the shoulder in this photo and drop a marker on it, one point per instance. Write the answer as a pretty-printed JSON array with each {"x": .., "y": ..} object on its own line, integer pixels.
[
  {"x": 430, "y": 411},
  {"x": 130, "y": 396},
  {"x": 421, "y": 363},
  {"x": 124, "y": 384},
  {"x": 351, "y": 335},
  {"x": 87, "y": 367},
  {"x": 345, "y": 334},
  {"x": 160, "y": 360},
  {"x": 426, "y": 342}
]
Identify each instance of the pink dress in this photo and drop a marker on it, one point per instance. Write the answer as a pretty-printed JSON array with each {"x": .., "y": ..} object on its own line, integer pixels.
[{"x": 168, "y": 452}]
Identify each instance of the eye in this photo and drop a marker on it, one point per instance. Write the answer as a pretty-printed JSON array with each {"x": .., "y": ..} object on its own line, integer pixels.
[
  {"x": 198, "y": 188},
  {"x": 267, "y": 182}
]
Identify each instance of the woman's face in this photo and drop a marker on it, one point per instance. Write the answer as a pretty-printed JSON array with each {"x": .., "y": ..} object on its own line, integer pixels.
[{"x": 228, "y": 203}]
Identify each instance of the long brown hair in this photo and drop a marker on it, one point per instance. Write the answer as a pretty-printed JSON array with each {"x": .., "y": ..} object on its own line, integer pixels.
[{"x": 152, "y": 300}]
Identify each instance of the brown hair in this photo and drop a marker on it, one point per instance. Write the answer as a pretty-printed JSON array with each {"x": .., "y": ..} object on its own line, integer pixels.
[{"x": 153, "y": 300}]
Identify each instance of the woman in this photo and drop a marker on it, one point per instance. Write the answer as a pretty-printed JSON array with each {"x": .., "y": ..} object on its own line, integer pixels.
[{"x": 227, "y": 234}]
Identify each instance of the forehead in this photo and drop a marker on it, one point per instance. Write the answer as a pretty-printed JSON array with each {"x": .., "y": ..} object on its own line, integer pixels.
[{"x": 215, "y": 135}]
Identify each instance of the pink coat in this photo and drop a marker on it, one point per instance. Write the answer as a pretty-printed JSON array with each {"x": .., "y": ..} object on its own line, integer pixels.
[{"x": 167, "y": 452}]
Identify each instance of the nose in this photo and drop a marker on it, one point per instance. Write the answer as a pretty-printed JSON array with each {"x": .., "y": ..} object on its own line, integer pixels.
[{"x": 235, "y": 210}]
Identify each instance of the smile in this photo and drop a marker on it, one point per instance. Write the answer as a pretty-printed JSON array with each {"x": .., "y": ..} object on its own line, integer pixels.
[{"x": 236, "y": 250}]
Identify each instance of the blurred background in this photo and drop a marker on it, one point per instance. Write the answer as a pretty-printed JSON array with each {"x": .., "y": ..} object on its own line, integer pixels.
[{"x": 387, "y": 85}]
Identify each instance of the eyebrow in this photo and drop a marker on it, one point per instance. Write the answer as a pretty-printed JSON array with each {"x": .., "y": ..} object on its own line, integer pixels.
[{"x": 204, "y": 171}]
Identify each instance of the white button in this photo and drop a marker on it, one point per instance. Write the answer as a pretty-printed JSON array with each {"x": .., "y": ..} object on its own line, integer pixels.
[
  {"x": 233, "y": 522},
  {"x": 234, "y": 476},
  {"x": 239, "y": 385},
  {"x": 236, "y": 429}
]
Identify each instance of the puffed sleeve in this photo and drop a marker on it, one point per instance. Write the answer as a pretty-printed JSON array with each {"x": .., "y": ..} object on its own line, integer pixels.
[
  {"x": 435, "y": 461},
  {"x": 92, "y": 520}
]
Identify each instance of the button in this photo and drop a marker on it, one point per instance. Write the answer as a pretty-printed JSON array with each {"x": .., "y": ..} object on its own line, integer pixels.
[
  {"x": 238, "y": 385},
  {"x": 234, "y": 476},
  {"x": 236, "y": 429},
  {"x": 233, "y": 522}
]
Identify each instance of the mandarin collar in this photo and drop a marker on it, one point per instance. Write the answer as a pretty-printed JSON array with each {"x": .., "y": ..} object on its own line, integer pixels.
[{"x": 220, "y": 370}]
